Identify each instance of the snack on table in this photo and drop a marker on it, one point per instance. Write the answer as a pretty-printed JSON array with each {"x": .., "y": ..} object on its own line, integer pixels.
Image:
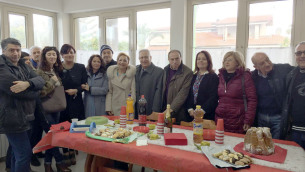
[
  {"x": 235, "y": 158},
  {"x": 259, "y": 141},
  {"x": 114, "y": 134},
  {"x": 99, "y": 120},
  {"x": 153, "y": 136}
]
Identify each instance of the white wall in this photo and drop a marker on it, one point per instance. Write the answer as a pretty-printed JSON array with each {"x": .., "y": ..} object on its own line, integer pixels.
[{"x": 48, "y": 5}]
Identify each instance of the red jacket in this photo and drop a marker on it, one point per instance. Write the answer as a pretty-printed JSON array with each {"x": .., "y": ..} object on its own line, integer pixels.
[{"x": 231, "y": 105}]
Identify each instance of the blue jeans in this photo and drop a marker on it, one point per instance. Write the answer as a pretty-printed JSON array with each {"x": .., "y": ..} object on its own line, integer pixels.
[
  {"x": 53, "y": 118},
  {"x": 299, "y": 137},
  {"x": 21, "y": 151},
  {"x": 273, "y": 121}
]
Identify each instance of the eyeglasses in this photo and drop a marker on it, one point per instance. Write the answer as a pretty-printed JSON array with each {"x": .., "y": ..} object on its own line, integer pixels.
[{"x": 299, "y": 53}]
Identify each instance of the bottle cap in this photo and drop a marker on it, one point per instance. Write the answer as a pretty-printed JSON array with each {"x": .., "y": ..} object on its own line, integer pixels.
[
  {"x": 198, "y": 107},
  {"x": 123, "y": 110},
  {"x": 219, "y": 125},
  {"x": 142, "y": 96},
  {"x": 168, "y": 106}
]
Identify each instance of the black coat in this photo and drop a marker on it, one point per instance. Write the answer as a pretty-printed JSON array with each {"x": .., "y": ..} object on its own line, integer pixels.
[
  {"x": 207, "y": 95},
  {"x": 112, "y": 62},
  {"x": 17, "y": 109}
]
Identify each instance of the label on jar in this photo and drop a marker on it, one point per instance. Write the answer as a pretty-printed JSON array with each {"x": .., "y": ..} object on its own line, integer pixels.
[{"x": 198, "y": 128}]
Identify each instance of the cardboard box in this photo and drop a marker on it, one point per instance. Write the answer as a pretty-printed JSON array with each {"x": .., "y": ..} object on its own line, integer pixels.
[{"x": 175, "y": 139}]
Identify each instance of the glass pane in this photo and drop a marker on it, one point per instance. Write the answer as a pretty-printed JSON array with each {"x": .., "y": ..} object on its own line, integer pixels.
[
  {"x": 117, "y": 35},
  {"x": 43, "y": 30},
  {"x": 153, "y": 33},
  {"x": 87, "y": 38},
  {"x": 270, "y": 31},
  {"x": 17, "y": 28},
  {"x": 215, "y": 30}
]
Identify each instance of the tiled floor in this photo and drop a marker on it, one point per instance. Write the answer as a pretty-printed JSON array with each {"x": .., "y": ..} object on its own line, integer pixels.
[{"x": 79, "y": 167}]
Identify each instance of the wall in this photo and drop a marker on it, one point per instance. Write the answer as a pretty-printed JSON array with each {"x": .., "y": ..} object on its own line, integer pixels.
[{"x": 55, "y": 6}]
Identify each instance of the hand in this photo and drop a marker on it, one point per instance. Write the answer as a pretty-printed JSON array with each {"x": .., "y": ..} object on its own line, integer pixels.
[
  {"x": 54, "y": 78},
  {"x": 191, "y": 112},
  {"x": 19, "y": 86},
  {"x": 246, "y": 127},
  {"x": 109, "y": 113},
  {"x": 71, "y": 92},
  {"x": 85, "y": 87}
]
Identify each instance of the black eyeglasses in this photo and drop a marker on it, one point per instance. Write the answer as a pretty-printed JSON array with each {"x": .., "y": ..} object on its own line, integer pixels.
[{"x": 299, "y": 53}]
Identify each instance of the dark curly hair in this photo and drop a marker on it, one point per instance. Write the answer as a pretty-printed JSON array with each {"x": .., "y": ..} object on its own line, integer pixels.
[
  {"x": 89, "y": 68},
  {"x": 44, "y": 64}
]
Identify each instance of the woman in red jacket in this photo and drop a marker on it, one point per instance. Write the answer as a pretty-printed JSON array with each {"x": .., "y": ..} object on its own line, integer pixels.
[{"x": 231, "y": 106}]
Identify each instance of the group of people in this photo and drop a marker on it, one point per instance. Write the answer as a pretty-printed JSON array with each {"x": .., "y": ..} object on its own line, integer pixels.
[{"x": 270, "y": 96}]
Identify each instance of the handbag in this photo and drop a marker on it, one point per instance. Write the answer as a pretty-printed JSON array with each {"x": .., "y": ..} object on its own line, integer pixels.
[{"x": 55, "y": 102}]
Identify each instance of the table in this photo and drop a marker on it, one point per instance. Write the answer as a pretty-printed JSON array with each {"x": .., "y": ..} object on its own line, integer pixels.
[{"x": 155, "y": 156}]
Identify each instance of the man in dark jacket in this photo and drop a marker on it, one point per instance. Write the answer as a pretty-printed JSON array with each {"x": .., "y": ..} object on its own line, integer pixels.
[
  {"x": 293, "y": 119},
  {"x": 149, "y": 83},
  {"x": 19, "y": 87},
  {"x": 177, "y": 80},
  {"x": 107, "y": 53},
  {"x": 269, "y": 80}
]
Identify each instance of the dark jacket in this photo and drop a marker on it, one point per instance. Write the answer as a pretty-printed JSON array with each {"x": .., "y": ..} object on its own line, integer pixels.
[
  {"x": 207, "y": 95},
  {"x": 178, "y": 90},
  {"x": 17, "y": 109},
  {"x": 276, "y": 79},
  {"x": 231, "y": 105},
  {"x": 149, "y": 84},
  {"x": 286, "y": 120},
  {"x": 112, "y": 62}
]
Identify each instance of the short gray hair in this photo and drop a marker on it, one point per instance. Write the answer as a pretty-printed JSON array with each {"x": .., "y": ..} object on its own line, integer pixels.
[
  {"x": 301, "y": 43},
  {"x": 144, "y": 50},
  {"x": 34, "y": 47},
  {"x": 7, "y": 41},
  {"x": 173, "y": 51}
]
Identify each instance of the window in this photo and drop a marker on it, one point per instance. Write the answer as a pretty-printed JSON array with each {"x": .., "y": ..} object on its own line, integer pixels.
[
  {"x": 270, "y": 25},
  {"x": 214, "y": 30},
  {"x": 117, "y": 35},
  {"x": 87, "y": 38},
  {"x": 17, "y": 28},
  {"x": 43, "y": 30},
  {"x": 153, "y": 33}
]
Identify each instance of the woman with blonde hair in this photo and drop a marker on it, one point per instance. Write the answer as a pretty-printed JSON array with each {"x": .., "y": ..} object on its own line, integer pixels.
[{"x": 237, "y": 94}]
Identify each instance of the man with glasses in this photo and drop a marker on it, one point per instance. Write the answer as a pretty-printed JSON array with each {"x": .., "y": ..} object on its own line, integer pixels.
[
  {"x": 269, "y": 80},
  {"x": 19, "y": 88},
  {"x": 293, "y": 120}
]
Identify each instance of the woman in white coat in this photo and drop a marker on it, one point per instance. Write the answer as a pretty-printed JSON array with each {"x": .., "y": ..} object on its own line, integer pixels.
[{"x": 121, "y": 79}]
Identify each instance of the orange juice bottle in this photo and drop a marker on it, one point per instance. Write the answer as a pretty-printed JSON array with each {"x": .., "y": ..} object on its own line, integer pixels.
[
  {"x": 198, "y": 125},
  {"x": 129, "y": 110}
]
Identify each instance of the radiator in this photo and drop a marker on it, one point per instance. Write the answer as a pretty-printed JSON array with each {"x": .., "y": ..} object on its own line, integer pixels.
[{"x": 3, "y": 145}]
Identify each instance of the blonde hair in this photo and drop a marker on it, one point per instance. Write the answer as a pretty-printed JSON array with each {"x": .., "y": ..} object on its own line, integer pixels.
[
  {"x": 123, "y": 54},
  {"x": 238, "y": 56}
]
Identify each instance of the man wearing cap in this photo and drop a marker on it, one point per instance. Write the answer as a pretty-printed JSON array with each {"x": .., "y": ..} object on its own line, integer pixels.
[
  {"x": 293, "y": 117},
  {"x": 106, "y": 53}
]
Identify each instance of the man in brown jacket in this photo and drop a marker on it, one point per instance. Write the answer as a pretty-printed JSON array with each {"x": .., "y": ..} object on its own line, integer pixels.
[{"x": 176, "y": 84}]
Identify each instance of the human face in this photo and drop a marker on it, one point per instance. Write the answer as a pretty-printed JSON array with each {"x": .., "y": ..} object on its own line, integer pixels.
[
  {"x": 202, "y": 62},
  {"x": 107, "y": 55},
  {"x": 96, "y": 64},
  {"x": 35, "y": 54},
  {"x": 230, "y": 64},
  {"x": 174, "y": 60},
  {"x": 13, "y": 53},
  {"x": 69, "y": 57},
  {"x": 123, "y": 62},
  {"x": 27, "y": 60},
  {"x": 145, "y": 59},
  {"x": 262, "y": 63},
  {"x": 301, "y": 59},
  {"x": 51, "y": 58}
]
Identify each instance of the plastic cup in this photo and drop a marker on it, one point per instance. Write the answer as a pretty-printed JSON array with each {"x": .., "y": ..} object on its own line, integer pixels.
[
  {"x": 123, "y": 110},
  {"x": 161, "y": 118},
  {"x": 74, "y": 120},
  {"x": 220, "y": 126}
]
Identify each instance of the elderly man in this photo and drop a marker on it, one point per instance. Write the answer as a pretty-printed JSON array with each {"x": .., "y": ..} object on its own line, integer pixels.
[
  {"x": 149, "y": 83},
  {"x": 19, "y": 87},
  {"x": 293, "y": 119},
  {"x": 176, "y": 84},
  {"x": 269, "y": 80},
  {"x": 107, "y": 53},
  {"x": 35, "y": 53}
]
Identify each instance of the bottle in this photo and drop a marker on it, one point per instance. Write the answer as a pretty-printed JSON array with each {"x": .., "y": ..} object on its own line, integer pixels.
[
  {"x": 168, "y": 123},
  {"x": 198, "y": 125},
  {"x": 129, "y": 110},
  {"x": 142, "y": 111}
]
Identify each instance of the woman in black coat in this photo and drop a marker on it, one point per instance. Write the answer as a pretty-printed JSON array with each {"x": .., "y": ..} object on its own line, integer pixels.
[{"x": 204, "y": 86}]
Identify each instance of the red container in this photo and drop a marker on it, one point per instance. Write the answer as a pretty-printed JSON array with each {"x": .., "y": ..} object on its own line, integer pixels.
[{"x": 175, "y": 139}]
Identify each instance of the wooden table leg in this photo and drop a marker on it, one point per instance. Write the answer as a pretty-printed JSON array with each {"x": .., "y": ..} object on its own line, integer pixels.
[{"x": 88, "y": 163}]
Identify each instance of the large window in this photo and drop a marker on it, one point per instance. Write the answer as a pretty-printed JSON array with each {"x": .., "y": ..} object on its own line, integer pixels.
[
  {"x": 270, "y": 25},
  {"x": 17, "y": 28},
  {"x": 43, "y": 30},
  {"x": 86, "y": 38},
  {"x": 153, "y": 33},
  {"x": 214, "y": 29}
]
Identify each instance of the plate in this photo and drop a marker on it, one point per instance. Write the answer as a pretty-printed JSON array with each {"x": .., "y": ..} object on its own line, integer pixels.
[
  {"x": 141, "y": 129},
  {"x": 128, "y": 139}
]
